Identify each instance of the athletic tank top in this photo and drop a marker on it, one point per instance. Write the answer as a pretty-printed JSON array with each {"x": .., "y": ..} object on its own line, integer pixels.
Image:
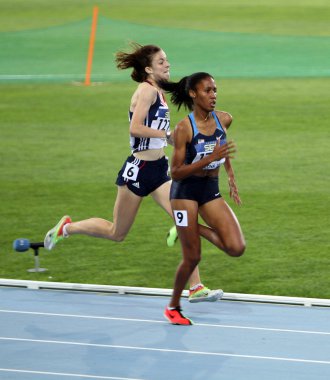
[
  {"x": 158, "y": 118},
  {"x": 202, "y": 145}
]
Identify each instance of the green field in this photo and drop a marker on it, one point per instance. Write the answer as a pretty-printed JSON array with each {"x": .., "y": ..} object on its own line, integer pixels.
[{"x": 62, "y": 144}]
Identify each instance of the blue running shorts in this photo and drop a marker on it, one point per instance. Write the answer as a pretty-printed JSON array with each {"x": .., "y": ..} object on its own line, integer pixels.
[
  {"x": 143, "y": 177},
  {"x": 199, "y": 189}
]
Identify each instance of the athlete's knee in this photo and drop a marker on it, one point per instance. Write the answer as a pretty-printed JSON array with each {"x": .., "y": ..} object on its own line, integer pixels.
[
  {"x": 116, "y": 235},
  {"x": 191, "y": 248},
  {"x": 193, "y": 258},
  {"x": 238, "y": 252},
  {"x": 117, "y": 238},
  {"x": 237, "y": 249},
  {"x": 194, "y": 261}
]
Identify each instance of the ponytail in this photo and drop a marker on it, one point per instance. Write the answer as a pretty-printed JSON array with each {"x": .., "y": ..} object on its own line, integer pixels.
[{"x": 180, "y": 90}]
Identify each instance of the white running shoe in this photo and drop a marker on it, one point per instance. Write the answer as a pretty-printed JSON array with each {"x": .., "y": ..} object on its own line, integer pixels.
[{"x": 55, "y": 235}]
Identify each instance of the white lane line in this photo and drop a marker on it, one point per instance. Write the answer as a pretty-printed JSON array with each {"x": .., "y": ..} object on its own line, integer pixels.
[
  {"x": 265, "y": 329},
  {"x": 66, "y": 374},
  {"x": 83, "y": 316},
  {"x": 164, "y": 322},
  {"x": 258, "y": 357}
]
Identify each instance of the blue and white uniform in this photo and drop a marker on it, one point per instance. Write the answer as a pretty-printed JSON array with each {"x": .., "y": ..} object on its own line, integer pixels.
[
  {"x": 158, "y": 118},
  {"x": 203, "y": 145},
  {"x": 200, "y": 189},
  {"x": 144, "y": 177}
]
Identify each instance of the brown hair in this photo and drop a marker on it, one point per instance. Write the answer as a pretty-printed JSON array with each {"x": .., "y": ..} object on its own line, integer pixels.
[{"x": 139, "y": 58}]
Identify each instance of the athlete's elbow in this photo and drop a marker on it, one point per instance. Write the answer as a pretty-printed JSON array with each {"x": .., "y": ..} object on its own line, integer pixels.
[
  {"x": 134, "y": 131},
  {"x": 174, "y": 177},
  {"x": 175, "y": 174}
]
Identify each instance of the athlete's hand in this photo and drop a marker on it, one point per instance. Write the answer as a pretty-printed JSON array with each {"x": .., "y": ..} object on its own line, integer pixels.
[
  {"x": 233, "y": 191},
  {"x": 223, "y": 151}
]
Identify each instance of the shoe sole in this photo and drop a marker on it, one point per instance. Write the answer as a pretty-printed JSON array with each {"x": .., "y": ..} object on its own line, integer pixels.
[
  {"x": 49, "y": 244},
  {"x": 177, "y": 324},
  {"x": 215, "y": 297}
]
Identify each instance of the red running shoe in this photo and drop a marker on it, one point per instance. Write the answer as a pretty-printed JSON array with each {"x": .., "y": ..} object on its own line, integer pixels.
[{"x": 176, "y": 317}]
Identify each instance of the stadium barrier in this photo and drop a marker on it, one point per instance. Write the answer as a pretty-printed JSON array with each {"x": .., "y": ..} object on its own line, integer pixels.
[{"x": 122, "y": 290}]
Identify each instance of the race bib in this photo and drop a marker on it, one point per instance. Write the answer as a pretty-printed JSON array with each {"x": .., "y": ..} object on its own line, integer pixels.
[
  {"x": 181, "y": 218},
  {"x": 131, "y": 172}
]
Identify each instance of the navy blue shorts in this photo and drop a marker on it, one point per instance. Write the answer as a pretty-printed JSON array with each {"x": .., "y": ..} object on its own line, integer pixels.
[
  {"x": 143, "y": 177},
  {"x": 199, "y": 189}
]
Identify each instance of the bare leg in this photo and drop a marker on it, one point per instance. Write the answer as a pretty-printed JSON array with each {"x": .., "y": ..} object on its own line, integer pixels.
[
  {"x": 211, "y": 235},
  {"x": 224, "y": 225},
  {"x": 162, "y": 197},
  {"x": 191, "y": 248},
  {"x": 126, "y": 207},
  {"x": 223, "y": 222}
]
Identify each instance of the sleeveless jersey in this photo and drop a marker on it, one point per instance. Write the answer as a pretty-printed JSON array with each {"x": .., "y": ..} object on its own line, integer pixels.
[
  {"x": 158, "y": 118},
  {"x": 202, "y": 145}
]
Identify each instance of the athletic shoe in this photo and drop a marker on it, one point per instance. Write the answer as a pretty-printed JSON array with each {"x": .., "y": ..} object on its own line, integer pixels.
[
  {"x": 54, "y": 235},
  {"x": 176, "y": 317},
  {"x": 172, "y": 237},
  {"x": 204, "y": 294}
]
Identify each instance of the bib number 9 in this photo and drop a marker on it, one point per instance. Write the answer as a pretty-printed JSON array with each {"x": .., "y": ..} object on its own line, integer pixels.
[{"x": 181, "y": 218}]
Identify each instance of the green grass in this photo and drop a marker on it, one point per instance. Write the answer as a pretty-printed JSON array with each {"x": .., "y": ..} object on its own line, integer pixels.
[
  {"x": 61, "y": 146},
  {"x": 48, "y": 41},
  {"x": 275, "y": 17}
]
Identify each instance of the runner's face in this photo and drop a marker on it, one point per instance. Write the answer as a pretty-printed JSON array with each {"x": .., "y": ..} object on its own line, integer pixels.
[
  {"x": 206, "y": 94},
  {"x": 160, "y": 67}
]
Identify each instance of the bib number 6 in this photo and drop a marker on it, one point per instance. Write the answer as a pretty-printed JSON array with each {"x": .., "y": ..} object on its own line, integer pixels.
[
  {"x": 181, "y": 218},
  {"x": 131, "y": 172}
]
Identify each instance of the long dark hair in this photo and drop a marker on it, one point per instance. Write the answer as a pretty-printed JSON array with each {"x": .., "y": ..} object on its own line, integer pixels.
[
  {"x": 180, "y": 90},
  {"x": 139, "y": 58}
]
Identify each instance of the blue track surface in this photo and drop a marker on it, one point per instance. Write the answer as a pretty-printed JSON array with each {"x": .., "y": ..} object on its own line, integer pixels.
[{"x": 69, "y": 335}]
